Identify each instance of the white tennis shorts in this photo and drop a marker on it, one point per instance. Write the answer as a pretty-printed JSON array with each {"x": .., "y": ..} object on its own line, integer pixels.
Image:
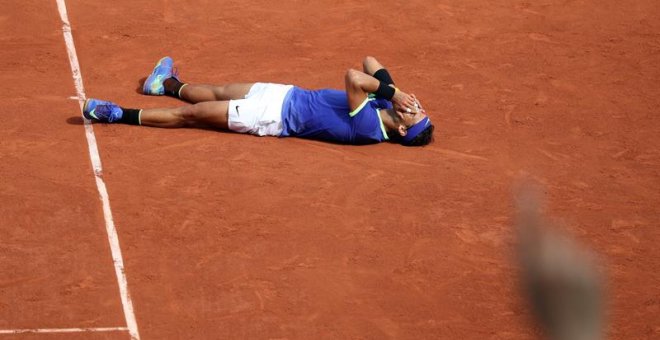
[{"x": 260, "y": 113}]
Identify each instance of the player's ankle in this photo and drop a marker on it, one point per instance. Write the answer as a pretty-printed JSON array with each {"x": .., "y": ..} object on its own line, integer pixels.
[
  {"x": 173, "y": 87},
  {"x": 130, "y": 116}
]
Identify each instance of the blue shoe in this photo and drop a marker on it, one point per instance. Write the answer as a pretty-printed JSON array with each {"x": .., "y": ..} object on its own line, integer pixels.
[
  {"x": 102, "y": 111},
  {"x": 154, "y": 84}
]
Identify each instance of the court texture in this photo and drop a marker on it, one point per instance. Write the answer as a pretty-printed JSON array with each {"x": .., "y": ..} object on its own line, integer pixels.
[{"x": 116, "y": 231}]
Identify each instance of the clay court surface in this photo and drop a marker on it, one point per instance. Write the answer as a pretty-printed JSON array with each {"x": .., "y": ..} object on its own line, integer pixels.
[{"x": 233, "y": 236}]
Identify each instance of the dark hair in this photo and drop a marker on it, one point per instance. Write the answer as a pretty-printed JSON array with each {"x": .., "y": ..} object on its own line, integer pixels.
[{"x": 423, "y": 138}]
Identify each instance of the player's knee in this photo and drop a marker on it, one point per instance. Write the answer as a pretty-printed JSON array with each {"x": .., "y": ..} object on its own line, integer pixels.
[
  {"x": 189, "y": 114},
  {"x": 219, "y": 92}
]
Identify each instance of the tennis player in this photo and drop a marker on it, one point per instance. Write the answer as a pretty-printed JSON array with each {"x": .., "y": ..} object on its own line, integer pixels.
[{"x": 370, "y": 110}]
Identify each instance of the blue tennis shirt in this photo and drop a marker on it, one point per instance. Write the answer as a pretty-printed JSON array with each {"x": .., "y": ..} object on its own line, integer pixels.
[{"x": 326, "y": 115}]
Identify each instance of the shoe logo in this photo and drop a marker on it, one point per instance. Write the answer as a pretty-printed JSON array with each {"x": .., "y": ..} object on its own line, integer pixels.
[{"x": 237, "y": 113}]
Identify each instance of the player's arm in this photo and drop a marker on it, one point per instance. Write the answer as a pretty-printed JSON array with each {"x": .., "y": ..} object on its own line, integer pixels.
[
  {"x": 372, "y": 67},
  {"x": 360, "y": 84},
  {"x": 358, "y": 87}
]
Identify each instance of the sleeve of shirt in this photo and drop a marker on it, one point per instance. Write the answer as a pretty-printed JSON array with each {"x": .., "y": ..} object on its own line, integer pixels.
[
  {"x": 374, "y": 102},
  {"x": 359, "y": 108},
  {"x": 383, "y": 104}
]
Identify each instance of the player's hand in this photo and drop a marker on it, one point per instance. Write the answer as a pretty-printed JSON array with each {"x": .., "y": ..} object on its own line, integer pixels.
[
  {"x": 418, "y": 105},
  {"x": 403, "y": 102}
]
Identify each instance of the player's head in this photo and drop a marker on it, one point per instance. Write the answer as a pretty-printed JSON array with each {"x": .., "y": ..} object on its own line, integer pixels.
[
  {"x": 420, "y": 134},
  {"x": 414, "y": 127}
]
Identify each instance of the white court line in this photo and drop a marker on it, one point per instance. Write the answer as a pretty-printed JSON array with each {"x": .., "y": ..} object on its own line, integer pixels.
[
  {"x": 63, "y": 330},
  {"x": 113, "y": 238}
]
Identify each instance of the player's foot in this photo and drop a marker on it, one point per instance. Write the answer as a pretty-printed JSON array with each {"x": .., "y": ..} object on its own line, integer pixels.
[
  {"x": 102, "y": 111},
  {"x": 154, "y": 84}
]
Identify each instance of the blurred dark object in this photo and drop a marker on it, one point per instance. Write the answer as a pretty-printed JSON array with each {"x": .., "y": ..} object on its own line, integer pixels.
[{"x": 560, "y": 277}]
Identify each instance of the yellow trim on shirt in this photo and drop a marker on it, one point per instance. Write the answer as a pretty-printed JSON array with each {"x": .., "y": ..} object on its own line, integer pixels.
[
  {"x": 357, "y": 110},
  {"x": 382, "y": 126}
]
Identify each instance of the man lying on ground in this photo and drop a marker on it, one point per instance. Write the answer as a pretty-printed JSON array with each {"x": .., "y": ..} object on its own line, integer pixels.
[{"x": 370, "y": 110}]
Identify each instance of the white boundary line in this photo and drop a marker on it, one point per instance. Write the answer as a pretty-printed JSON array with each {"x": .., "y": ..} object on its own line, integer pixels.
[
  {"x": 113, "y": 238},
  {"x": 63, "y": 330}
]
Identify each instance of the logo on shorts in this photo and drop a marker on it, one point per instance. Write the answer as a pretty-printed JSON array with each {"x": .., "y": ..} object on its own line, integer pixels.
[{"x": 238, "y": 113}]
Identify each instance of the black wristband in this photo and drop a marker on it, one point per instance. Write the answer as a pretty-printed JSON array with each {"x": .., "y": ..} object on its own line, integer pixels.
[
  {"x": 384, "y": 76},
  {"x": 385, "y": 91}
]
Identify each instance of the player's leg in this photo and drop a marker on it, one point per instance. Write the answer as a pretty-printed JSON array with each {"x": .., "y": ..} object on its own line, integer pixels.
[
  {"x": 206, "y": 114},
  {"x": 211, "y": 114},
  {"x": 197, "y": 93},
  {"x": 163, "y": 80}
]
